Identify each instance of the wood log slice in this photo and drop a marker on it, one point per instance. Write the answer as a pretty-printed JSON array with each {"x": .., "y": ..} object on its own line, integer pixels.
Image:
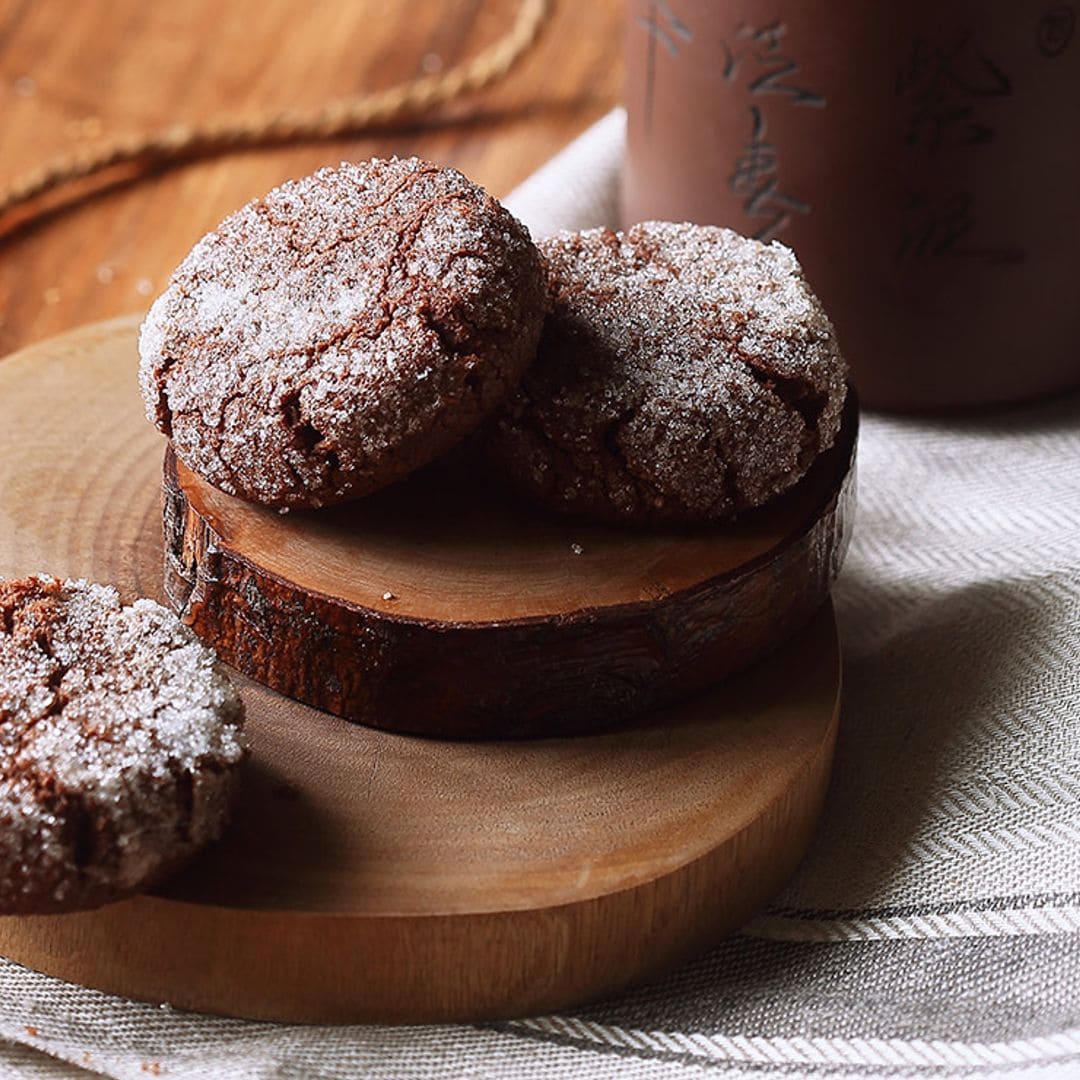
[
  {"x": 371, "y": 876},
  {"x": 446, "y": 606}
]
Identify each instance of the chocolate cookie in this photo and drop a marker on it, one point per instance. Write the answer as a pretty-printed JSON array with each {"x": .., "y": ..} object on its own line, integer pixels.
[
  {"x": 119, "y": 737},
  {"x": 342, "y": 331},
  {"x": 685, "y": 375}
]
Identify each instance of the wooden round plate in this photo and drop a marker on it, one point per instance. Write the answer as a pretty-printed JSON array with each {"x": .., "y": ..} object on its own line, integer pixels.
[
  {"x": 372, "y": 876},
  {"x": 444, "y": 606}
]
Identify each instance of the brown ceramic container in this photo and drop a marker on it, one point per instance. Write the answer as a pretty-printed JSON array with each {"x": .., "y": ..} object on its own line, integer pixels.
[{"x": 923, "y": 159}]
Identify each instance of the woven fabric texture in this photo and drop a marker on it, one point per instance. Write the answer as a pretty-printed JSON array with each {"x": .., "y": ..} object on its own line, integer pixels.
[{"x": 935, "y": 928}]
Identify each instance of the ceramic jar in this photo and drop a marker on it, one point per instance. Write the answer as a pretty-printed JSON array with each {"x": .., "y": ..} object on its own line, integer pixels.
[{"x": 922, "y": 157}]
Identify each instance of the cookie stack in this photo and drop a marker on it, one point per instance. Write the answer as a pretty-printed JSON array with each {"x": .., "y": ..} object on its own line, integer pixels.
[
  {"x": 331, "y": 338},
  {"x": 532, "y": 488}
]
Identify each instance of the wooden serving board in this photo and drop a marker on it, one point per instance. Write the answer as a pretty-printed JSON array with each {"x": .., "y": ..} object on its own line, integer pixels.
[{"x": 372, "y": 876}]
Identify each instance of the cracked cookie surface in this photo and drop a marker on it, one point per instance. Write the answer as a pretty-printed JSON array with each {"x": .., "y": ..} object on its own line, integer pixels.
[
  {"x": 119, "y": 740},
  {"x": 339, "y": 333},
  {"x": 685, "y": 375}
]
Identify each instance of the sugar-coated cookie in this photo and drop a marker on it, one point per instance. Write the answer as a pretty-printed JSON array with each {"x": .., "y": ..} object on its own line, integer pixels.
[
  {"x": 685, "y": 375},
  {"x": 119, "y": 741},
  {"x": 344, "y": 330}
]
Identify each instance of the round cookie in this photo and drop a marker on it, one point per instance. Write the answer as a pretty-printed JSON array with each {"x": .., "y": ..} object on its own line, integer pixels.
[
  {"x": 119, "y": 741},
  {"x": 347, "y": 328},
  {"x": 685, "y": 375}
]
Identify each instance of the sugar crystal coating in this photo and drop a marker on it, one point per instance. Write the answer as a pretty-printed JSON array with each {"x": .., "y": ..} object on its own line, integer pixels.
[
  {"x": 119, "y": 737},
  {"x": 342, "y": 331},
  {"x": 685, "y": 374}
]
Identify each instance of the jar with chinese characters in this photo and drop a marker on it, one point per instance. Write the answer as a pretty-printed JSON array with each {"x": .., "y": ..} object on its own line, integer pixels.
[{"x": 922, "y": 158}]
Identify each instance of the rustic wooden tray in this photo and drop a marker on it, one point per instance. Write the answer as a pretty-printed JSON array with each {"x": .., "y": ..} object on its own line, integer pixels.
[{"x": 372, "y": 876}]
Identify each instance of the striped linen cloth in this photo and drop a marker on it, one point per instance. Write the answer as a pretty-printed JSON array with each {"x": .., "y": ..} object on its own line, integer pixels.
[{"x": 935, "y": 928}]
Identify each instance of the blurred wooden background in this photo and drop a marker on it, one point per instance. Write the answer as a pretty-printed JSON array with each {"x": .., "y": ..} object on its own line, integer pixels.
[{"x": 73, "y": 72}]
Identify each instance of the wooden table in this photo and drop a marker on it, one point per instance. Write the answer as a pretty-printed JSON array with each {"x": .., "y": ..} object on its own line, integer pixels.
[{"x": 72, "y": 73}]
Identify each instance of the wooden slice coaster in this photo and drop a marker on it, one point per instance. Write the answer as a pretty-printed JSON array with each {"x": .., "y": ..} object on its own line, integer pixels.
[
  {"x": 444, "y": 606},
  {"x": 372, "y": 876}
]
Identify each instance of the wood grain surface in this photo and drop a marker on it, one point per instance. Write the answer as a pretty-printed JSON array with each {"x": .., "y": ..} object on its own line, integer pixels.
[
  {"x": 446, "y": 606},
  {"x": 73, "y": 73},
  {"x": 370, "y": 876}
]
